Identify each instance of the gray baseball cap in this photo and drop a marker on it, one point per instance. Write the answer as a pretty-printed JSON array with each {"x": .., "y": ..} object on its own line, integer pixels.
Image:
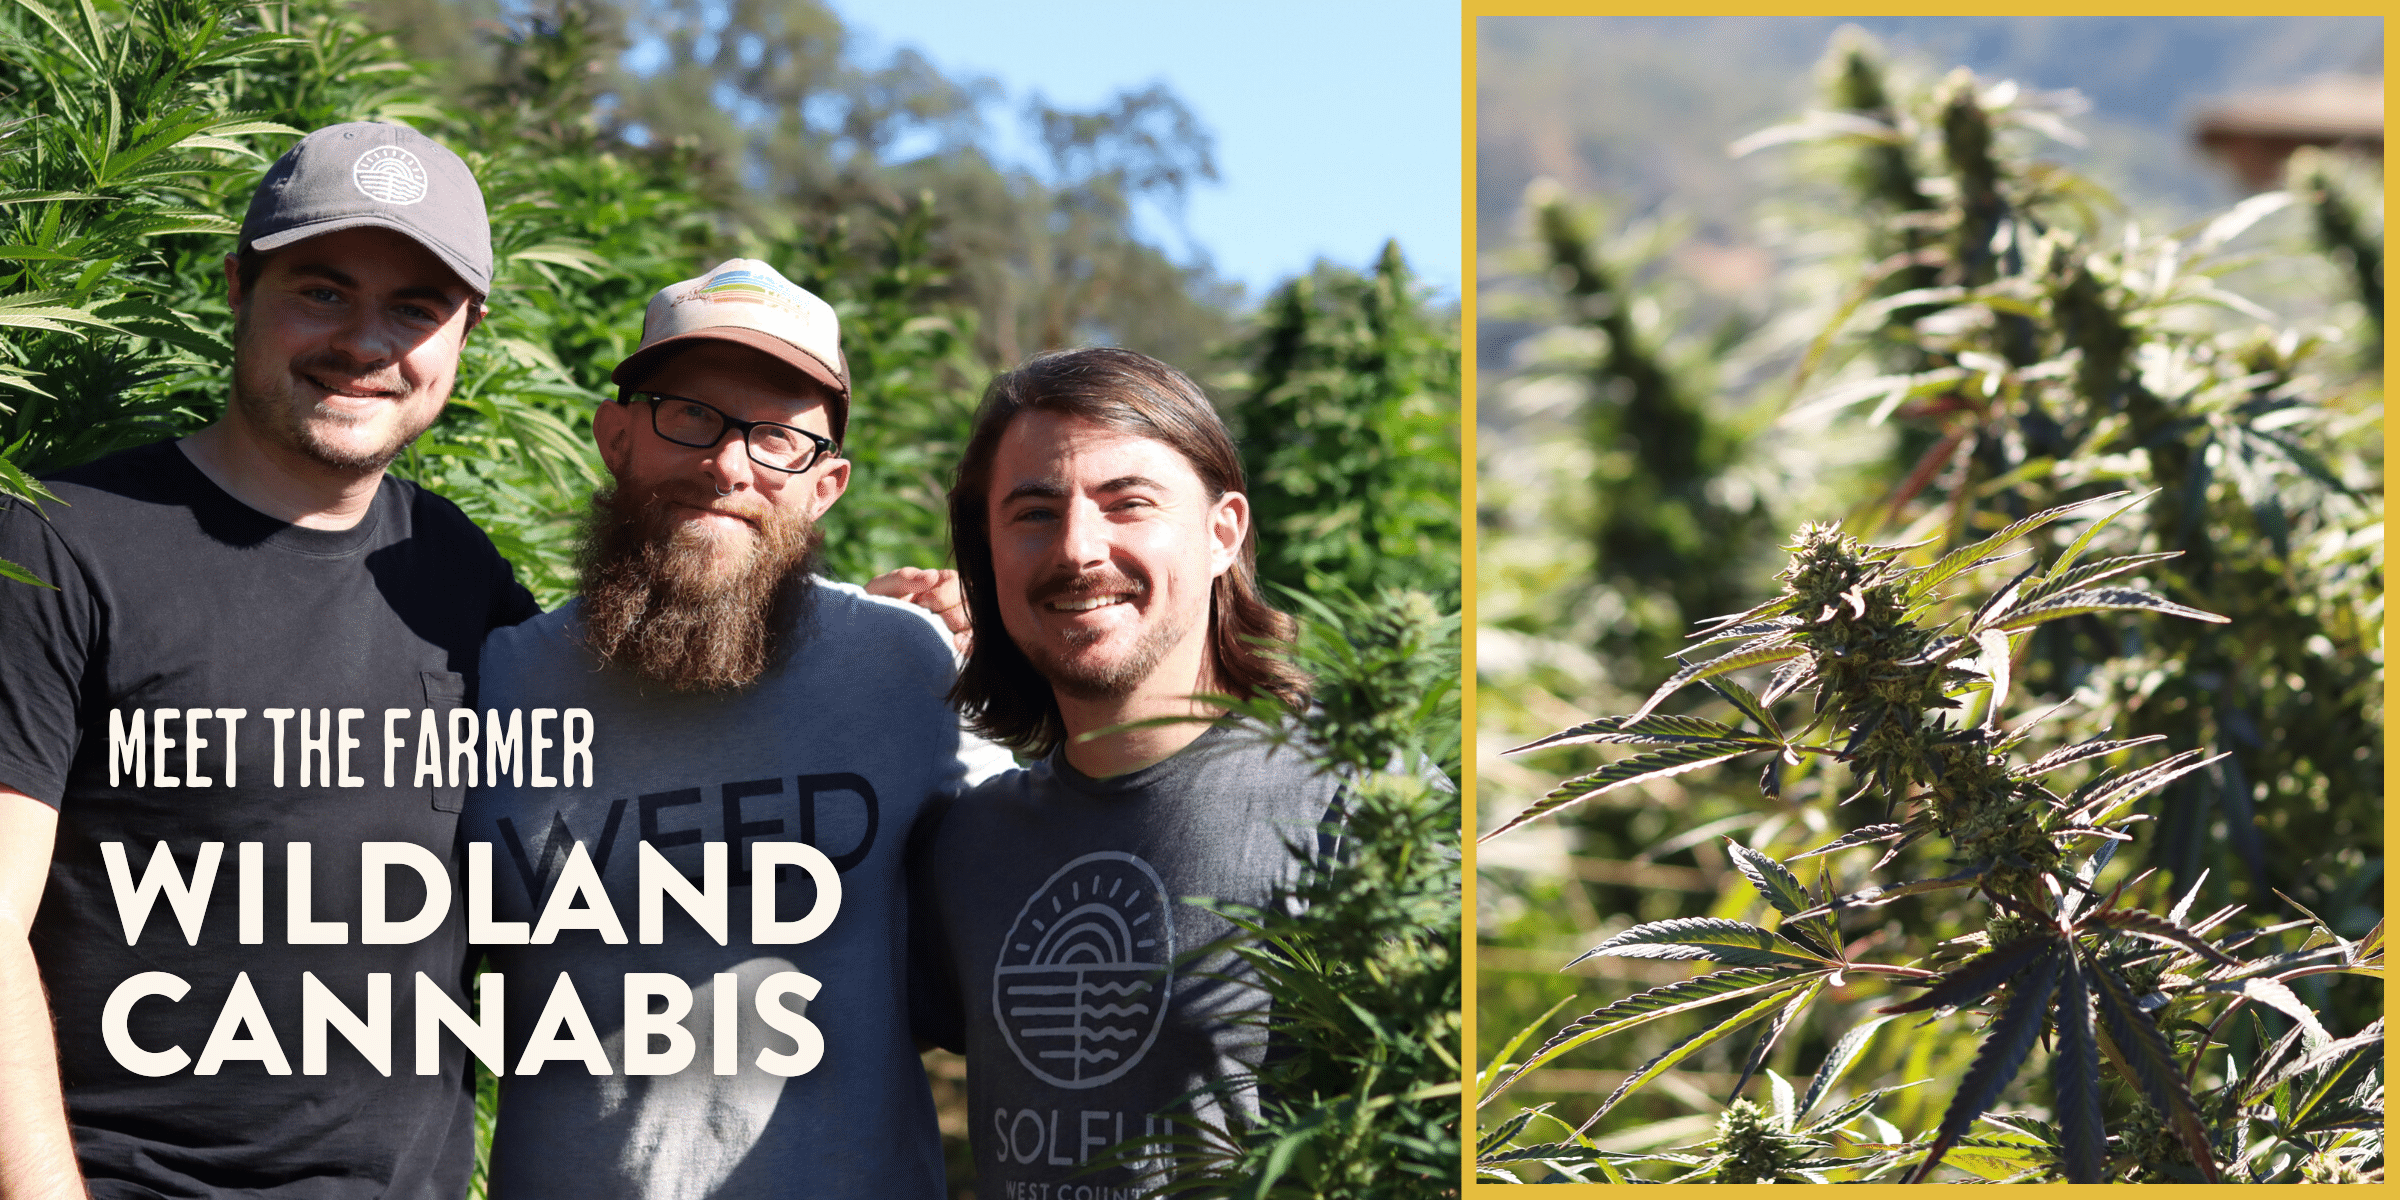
[{"x": 370, "y": 173}]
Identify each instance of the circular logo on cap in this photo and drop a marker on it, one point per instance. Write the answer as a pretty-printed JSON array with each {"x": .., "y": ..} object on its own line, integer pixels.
[
  {"x": 389, "y": 174},
  {"x": 1081, "y": 987}
]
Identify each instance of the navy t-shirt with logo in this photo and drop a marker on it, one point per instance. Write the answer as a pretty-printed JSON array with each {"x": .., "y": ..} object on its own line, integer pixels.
[
  {"x": 1056, "y": 944},
  {"x": 176, "y": 604}
]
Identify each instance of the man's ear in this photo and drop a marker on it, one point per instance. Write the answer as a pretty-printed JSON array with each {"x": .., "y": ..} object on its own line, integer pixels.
[
  {"x": 1228, "y": 526},
  {"x": 612, "y": 432},
  {"x": 233, "y": 282},
  {"x": 833, "y": 478},
  {"x": 476, "y": 312}
]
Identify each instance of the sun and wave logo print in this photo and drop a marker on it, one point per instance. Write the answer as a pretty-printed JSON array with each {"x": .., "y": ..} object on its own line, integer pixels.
[
  {"x": 1081, "y": 988},
  {"x": 390, "y": 174}
]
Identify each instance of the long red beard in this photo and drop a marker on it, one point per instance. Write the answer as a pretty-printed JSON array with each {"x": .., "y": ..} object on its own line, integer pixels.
[{"x": 657, "y": 600}]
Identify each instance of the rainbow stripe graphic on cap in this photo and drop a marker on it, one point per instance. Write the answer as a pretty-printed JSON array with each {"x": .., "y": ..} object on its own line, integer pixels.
[{"x": 746, "y": 301}]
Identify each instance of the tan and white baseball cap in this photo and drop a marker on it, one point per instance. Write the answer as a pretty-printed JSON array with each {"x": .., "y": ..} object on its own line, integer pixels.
[{"x": 748, "y": 302}]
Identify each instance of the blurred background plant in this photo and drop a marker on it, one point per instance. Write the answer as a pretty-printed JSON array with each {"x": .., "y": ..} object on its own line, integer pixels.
[
  {"x": 1923, "y": 324},
  {"x": 133, "y": 132}
]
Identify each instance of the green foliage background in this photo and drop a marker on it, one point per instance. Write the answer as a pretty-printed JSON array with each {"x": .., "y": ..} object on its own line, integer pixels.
[
  {"x": 133, "y": 131},
  {"x": 1943, "y": 331}
]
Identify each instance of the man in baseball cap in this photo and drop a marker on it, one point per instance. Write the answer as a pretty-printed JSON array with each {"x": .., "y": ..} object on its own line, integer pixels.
[
  {"x": 191, "y": 773},
  {"x": 763, "y": 737}
]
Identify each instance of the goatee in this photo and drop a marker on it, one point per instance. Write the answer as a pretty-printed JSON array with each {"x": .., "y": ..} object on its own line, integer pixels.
[
  {"x": 686, "y": 607},
  {"x": 1084, "y": 679}
]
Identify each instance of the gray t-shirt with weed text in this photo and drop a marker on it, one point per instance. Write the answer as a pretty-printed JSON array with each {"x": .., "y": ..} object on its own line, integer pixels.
[{"x": 838, "y": 746}]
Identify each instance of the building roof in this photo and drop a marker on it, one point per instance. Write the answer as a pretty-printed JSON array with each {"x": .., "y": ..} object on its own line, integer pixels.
[{"x": 2329, "y": 108}]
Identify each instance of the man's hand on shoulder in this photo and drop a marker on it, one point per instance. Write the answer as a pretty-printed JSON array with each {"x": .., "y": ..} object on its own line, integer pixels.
[{"x": 936, "y": 592}]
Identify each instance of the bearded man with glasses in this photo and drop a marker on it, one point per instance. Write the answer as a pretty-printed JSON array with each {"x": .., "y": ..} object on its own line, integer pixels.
[{"x": 753, "y": 730}]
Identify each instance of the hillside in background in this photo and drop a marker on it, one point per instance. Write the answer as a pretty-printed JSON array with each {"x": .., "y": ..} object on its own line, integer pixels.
[{"x": 1640, "y": 109}]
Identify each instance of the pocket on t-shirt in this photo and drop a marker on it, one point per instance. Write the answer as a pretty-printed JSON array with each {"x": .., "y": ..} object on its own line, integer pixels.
[{"x": 444, "y": 692}]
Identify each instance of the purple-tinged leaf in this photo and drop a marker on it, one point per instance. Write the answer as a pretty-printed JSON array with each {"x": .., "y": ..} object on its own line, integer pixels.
[
  {"x": 2075, "y": 1077},
  {"x": 2183, "y": 907},
  {"x": 2069, "y": 755},
  {"x": 1843, "y": 1113},
  {"x": 1999, "y": 601},
  {"x": 2026, "y": 728},
  {"x": 2144, "y": 1053},
  {"x": 1978, "y": 977},
  {"x": 2095, "y": 600},
  {"x": 2090, "y": 831},
  {"x": 1864, "y": 836},
  {"x": 2159, "y": 929},
  {"x": 2276, "y": 995},
  {"x": 2009, "y": 1040},
  {"x": 1747, "y": 703},
  {"x": 1772, "y": 608},
  {"x": 2274, "y": 964},
  {"x": 2333, "y": 1051}
]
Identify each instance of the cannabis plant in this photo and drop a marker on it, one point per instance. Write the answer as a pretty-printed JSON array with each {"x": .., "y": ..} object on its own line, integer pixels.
[
  {"x": 113, "y": 144},
  {"x": 1347, "y": 418},
  {"x": 1907, "y": 684},
  {"x": 1359, "y": 959},
  {"x": 2032, "y": 352}
]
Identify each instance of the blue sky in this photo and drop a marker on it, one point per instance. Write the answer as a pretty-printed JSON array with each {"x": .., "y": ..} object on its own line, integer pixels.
[{"x": 1336, "y": 124}]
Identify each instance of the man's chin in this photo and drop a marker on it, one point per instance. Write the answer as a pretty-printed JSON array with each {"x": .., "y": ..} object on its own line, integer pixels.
[
  {"x": 351, "y": 441},
  {"x": 717, "y": 551},
  {"x": 1091, "y": 671},
  {"x": 715, "y": 529},
  {"x": 352, "y": 454}
]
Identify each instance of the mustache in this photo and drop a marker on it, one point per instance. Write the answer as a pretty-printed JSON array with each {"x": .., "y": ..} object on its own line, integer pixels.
[
  {"x": 745, "y": 505},
  {"x": 1089, "y": 583},
  {"x": 331, "y": 367}
]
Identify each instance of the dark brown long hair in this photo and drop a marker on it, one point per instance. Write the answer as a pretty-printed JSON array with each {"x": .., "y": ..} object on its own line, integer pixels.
[{"x": 999, "y": 691}]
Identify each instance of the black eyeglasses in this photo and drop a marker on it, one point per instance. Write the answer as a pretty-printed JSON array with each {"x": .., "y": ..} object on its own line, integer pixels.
[{"x": 690, "y": 423}]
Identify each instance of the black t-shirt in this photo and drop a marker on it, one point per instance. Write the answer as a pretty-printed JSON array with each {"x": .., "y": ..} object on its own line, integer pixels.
[
  {"x": 173, "y": 598},
  {"x": 1055, "y": 938}
]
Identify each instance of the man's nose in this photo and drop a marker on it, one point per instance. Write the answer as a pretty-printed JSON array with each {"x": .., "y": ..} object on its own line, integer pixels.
[
  {"x": 727, "y": 464},
  {"x": 368, "y": 339},
  {"x": 1083, "y": 536}
]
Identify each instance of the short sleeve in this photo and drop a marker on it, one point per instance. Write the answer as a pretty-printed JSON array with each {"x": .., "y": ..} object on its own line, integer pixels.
[
  {"x": 512, "y": 603},
  {"x": 50, "y": 635}
]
